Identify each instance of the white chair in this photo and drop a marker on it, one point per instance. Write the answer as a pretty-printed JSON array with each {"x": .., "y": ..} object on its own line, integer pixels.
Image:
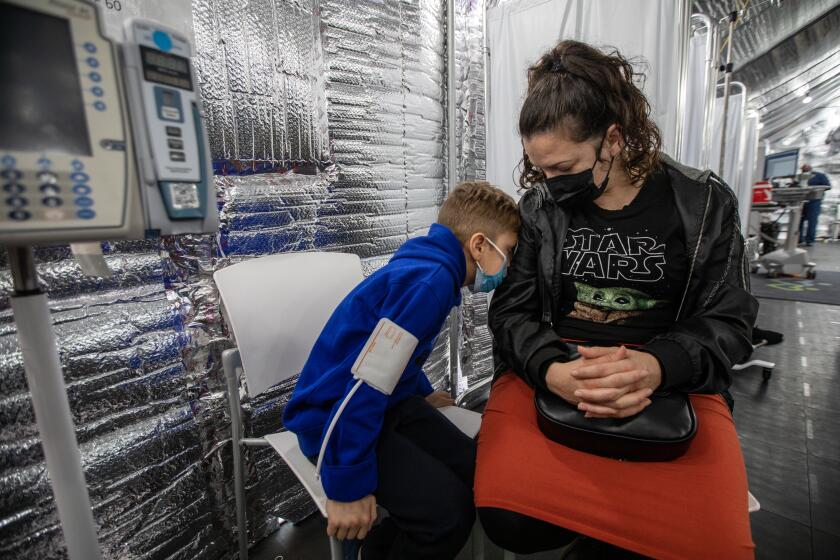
[
  {"x": 766, "y": 367},
  {"x": 276, "y": 306}
]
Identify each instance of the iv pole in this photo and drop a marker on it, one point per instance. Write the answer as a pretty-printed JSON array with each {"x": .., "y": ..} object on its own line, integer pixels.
[
  {"x": 452, "y": 180},
  {"x": 52, "y": 408},
  {"x": 733, "y": 19}
]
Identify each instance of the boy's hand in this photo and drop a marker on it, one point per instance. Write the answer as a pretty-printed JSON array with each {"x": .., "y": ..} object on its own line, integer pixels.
[
  {"x": 351, "y": 520},
  {"x": 439, "y": 399}
]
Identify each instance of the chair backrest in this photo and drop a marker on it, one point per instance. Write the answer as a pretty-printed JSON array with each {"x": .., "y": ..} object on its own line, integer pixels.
[{"x": 277, "y": 306}]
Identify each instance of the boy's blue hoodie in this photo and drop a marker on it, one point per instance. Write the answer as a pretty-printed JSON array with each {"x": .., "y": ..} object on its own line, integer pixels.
[{"x": 415, "y": 290}]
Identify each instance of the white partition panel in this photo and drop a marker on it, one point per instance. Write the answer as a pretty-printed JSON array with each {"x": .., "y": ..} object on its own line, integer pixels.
[
  {"x": 749, "y": 155},
  {"x": 734, "y": 133},
  {"x": 701, "y": 76},
  {"x": 519, "y": 31}
]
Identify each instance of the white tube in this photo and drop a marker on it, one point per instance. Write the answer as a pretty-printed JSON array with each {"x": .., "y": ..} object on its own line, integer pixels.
[
  {"x": 90, "y": 259},
  {"x": 726, "y": 92},
  {"x": 452, "y": 152},
  {"x": 684, "y": 22},
  {"x": 709, "y": 86},
  {"x": 55, "y": 425},
  {"x": 332, "y": 426},
  {"x": 452, "y": 171}
]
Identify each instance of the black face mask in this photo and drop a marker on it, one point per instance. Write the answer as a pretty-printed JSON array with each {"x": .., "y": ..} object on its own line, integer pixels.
[{"x": 577, "y": 188}]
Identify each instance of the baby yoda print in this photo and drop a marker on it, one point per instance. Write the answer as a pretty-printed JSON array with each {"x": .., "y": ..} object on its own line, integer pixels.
[{"x": 612, "y": 305}]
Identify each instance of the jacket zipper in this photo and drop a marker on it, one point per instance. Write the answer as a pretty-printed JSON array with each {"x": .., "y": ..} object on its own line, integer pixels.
[
  {"x": 548, "y": 291},
  {"x": 696, "y": 250},
  {"x": 546, "y": 305}
]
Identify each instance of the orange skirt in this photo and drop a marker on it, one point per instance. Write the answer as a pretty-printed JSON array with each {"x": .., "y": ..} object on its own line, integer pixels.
[{"x": 692, "y": 507}]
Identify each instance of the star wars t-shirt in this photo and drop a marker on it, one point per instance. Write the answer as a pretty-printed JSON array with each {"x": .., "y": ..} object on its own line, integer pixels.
[{"x": 623, "y": 271}]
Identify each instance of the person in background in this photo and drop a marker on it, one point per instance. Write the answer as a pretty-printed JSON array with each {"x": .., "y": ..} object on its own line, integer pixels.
[{"x": 811, "y": 211}]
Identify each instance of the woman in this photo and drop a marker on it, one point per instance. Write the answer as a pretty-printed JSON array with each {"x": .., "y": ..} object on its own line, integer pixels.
[{"x": 642, "y": 260}]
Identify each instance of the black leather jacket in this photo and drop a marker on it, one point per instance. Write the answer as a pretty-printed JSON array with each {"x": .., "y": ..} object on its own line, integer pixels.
[{"x": 713, "y": 327}]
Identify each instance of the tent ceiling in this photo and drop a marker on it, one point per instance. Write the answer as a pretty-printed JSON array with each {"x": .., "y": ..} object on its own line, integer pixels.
[{"x": 786, "y": 53}]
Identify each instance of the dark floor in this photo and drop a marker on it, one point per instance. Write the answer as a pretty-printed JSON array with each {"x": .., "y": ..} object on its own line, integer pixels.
[{"x": 790, "y": 434}]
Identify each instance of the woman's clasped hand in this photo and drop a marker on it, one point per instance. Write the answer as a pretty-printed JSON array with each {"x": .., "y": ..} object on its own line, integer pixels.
[{"x": 607, "y": 382}]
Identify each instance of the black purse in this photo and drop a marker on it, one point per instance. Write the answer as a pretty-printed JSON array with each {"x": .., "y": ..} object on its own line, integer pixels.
[{"x": 661, "y": 432}]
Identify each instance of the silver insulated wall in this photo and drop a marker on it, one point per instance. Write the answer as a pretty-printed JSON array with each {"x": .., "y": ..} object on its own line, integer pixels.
[{"x": 327, "y": 124}]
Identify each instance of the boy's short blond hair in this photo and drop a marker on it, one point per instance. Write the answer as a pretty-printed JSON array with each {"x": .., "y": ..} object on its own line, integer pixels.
[{"x": 478, "y": 207}]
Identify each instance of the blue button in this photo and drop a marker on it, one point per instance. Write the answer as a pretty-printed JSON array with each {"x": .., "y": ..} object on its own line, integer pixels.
[
  {"x": 84, "y": 202},
  {"x": 14, "y": 188},
  {"x": 44, "y": 162},
  {"x": 77, "y": 165},
  {"x": 95, "y": 76},
  {"x": 162, "y": 40},
  {"x": 19, "y": 215},
  {"x": 11, "y": 174},
  {"x": 92, "y": 62},
  {"x": 52, "y": 202},
  {"x": 17, "y": 201},
  {"x": 97, "y": 91},
  {"x": 9, "y": 161},
  {"x": 81, "y": 189},
  {"x": 90, "y": 47},
  {"x": 86, "y": 214},
  {"x": 79, "y": 177},
  {"x": 99, "y": 106}
]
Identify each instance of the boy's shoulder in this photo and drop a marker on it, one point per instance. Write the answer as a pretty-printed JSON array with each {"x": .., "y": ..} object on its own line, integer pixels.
[
  {"x": 417, "y": 272},
  {"x": 416, "y": 276}
]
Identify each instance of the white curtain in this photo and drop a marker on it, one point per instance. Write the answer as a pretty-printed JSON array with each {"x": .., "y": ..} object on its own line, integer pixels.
[
  {"x": 741, "y": 150},
  {"x": 734, "y": 132},
  {"x": 691, "y": 152},
  {"x": 749, "y": 157},
  {"x": 519, "y": 31}
]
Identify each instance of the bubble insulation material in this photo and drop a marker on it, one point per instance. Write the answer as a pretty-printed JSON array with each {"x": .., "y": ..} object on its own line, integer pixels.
[{"x": 327, "y": 125}]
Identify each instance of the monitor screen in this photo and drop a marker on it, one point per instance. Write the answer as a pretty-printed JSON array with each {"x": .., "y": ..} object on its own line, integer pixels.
[
  {"x": 40, "y": 95},
  {"x": 166, "y": 68},
  {"x": 783, "y": 164}
]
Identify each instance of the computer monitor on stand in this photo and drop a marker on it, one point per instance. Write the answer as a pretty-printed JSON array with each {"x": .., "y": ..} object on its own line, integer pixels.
[{"x": 782, "y": 164}]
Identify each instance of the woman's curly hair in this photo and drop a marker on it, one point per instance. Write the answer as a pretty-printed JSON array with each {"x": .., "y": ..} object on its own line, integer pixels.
[{"x": 582, "y": 91}]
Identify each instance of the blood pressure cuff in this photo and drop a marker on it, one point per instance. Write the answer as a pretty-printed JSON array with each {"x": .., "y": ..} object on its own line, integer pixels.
[{"x": 385, "y": 356}]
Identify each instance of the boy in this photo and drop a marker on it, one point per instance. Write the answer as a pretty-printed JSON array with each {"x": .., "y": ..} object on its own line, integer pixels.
[{"x": 391, "y": 446}]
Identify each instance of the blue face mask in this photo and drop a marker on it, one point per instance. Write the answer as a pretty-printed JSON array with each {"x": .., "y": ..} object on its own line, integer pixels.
[{"x": 485, "y": 282}]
